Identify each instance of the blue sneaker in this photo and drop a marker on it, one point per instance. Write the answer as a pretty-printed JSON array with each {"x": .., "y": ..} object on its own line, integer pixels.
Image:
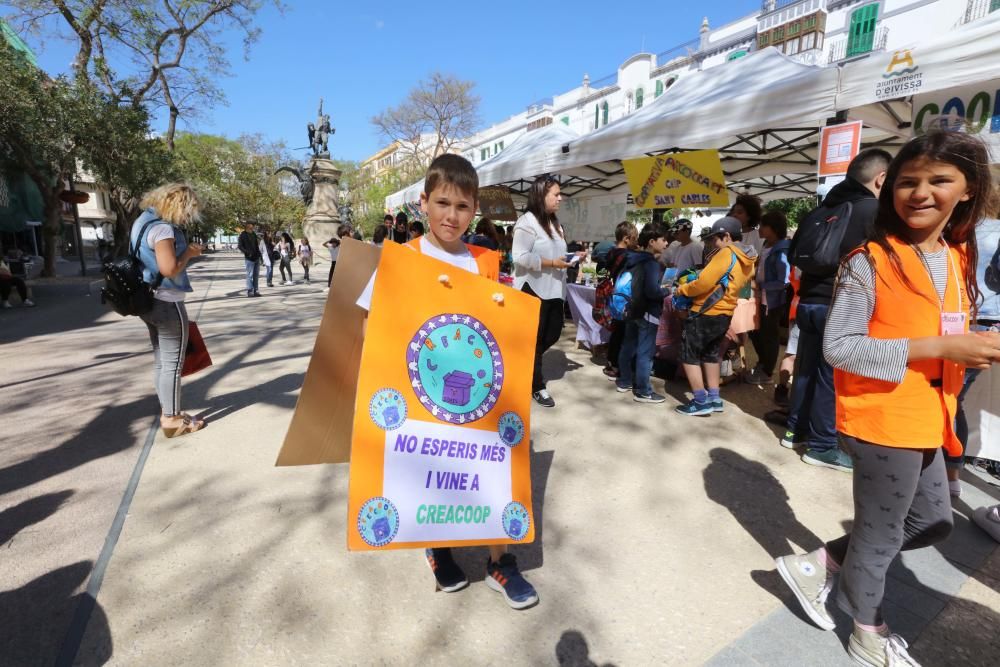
[
  {"x": 717, "y": 405},
  {"x": 505, "y": 578},
  {"x": 447, "y": 573},
  {"x": 695, "y": 409},
  {"x": 622, "y": 388},
  {"x": 833, "y": 458}
]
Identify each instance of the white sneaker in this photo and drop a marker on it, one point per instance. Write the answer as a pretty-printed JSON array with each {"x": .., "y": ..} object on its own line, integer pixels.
[
  {"x": 28, "y": 303},
  {"x": 288, "y": 282},
  {"x": 988, "y": 518},
  {"x": 874, "y": 649},
  {"x": 6, "y": 304},
  {"x": 955, "y": 488}
]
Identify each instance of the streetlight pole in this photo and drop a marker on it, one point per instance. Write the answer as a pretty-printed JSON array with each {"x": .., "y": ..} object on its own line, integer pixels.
[{"x": 79, "y": 232}]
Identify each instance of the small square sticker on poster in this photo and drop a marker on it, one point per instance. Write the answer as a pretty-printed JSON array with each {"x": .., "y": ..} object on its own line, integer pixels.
[{"x": 838, "y": 145}]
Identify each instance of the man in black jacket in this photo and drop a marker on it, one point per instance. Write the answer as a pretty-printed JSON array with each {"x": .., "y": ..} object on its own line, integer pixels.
[
  {"x": 812, "y": 413},
  {"x": 249, "y": 245},
  {"x": 639, "y": 344}
]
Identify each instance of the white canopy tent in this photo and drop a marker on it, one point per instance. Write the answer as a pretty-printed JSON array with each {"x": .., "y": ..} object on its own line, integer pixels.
[
  {"x": 514, "y": 167},
  {"x": 879, "y": 89},
  {"x": 763, "y": 112}
]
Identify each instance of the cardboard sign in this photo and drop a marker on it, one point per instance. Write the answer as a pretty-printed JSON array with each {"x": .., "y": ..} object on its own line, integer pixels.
[
  {"x": 320, "y": 431},
  {"x": 495, "y": 203},
  {"x": 592, "y": 218},
  {"x": 677, "y": 180},
  {"x": 440, "y": 448},
  {"x": 838, "y": 145}
]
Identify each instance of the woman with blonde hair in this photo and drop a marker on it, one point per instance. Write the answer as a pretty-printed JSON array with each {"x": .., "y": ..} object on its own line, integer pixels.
[{"x": 158, "y": 233}]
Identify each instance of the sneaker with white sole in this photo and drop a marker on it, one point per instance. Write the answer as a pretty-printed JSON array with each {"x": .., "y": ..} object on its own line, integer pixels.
[
  {"x": 447, "y": 573},
  {"x": 504, "y": 577},
  {"x": 695, "y": 409},
  {"x": 651, "y": 397},
  {"x": 875, "y": 649},
  {"x": 543, "y": 398},
  {"x": 28, "y": 303},
  {"x": 622, "y": 388},
  {"x": 790, "y": 441},
  {"x": 811, "y": 583},
  {"x": 6, "y": 304},
  {"x": 988, "y": 518},
  {"x": 834, "y": 459},
  {"x": 717, "y": 405},
  {"x": 758, "y": 377}
]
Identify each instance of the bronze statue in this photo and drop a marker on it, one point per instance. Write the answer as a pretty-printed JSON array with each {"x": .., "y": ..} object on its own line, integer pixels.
[
  {"x": 320, "y": 132},
  {"x": 306, "y": 185}
]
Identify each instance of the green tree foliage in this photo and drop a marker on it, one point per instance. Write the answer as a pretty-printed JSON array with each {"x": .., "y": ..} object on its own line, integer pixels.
[
  {"x": 236, "y": 183},
  {"x": 42, "y": 124},
  {"x": 795, "y": 209},
  {"x": 370, "y": 206},
  {"x": 123, "y": 158}
]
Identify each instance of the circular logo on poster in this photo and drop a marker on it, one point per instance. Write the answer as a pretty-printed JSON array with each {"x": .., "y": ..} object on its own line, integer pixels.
[
  {"x": 515, "y": 520},
  {"x": 510, "y": 428},
  {"x": 455, "y": 368},
  {"x": 378, "y": 521},
  {"x": 387, "y": 409}
]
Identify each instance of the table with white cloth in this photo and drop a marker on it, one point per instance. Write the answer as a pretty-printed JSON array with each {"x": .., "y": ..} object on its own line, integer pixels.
[
  {"x": 581, "y": 307},
  {"x": 982, "y": 411}
]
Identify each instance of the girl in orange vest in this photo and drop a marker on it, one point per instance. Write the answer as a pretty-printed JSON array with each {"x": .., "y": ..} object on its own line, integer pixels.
[{"x": 899, "y": 341}]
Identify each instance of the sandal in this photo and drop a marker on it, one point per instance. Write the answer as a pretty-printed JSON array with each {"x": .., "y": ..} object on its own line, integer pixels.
[{"x": 189, "y": 425}]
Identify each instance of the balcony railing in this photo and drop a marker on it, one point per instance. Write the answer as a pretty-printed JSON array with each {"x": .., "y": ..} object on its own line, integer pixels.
[
  {"x": 839, "y": 51},
  {"x": 768, "y": 6},
  {"x": 977, "y": 9}
]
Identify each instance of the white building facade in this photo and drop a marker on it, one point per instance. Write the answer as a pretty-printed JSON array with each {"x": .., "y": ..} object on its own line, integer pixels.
[{"x": 816, "y": 32}]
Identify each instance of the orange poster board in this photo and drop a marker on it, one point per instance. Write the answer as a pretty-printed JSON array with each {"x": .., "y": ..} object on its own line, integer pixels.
[
  {"x": 440, "y": 445},
  {"x": 838, "y": 145}
]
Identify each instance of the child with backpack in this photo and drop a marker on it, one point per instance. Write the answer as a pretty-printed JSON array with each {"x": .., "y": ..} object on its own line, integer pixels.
[
  {"x": 638, "y": 290},
  {"x": 626, "y": 236},
  {"x": 712, "y": 298},
  {"x": 898, "y": 338}
]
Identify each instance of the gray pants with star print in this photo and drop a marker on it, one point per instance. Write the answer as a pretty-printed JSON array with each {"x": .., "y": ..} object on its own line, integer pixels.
[{"x": 901, "y": 502}]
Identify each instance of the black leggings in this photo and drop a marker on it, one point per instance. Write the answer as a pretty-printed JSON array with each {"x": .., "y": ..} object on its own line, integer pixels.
[
  {"x": 615, "y": 343},
  {"x": 767, "y": 339},
  {"x": 901, "y": 502},
  {"x": 329, "y": 278},
  {"x": 7, "y": 282},
  {"x": 550, "y": 324}
]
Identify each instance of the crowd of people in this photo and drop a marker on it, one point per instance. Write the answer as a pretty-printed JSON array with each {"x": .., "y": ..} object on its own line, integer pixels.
[{"x": 871, "y": 322}]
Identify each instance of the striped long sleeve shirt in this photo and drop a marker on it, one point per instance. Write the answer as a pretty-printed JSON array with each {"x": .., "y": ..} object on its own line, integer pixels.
[{"x": 846, "y": 343}]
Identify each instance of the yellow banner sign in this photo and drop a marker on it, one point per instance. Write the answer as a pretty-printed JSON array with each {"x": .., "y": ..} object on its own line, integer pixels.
[{"x": 677, "y": 180}]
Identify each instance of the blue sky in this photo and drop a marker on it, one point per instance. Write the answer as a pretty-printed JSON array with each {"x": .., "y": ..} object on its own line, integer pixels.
[{"x": 363, "y": 57}]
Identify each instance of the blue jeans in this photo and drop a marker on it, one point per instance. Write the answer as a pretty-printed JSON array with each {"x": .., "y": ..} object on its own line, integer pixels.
[
  {"x": 637, "y": 350},
  {"x": 961, "y": 423},
  {"x": 813, "y": 409},
  {"x": 270, "y": 272},
  {"x": 253, "y": 274}
]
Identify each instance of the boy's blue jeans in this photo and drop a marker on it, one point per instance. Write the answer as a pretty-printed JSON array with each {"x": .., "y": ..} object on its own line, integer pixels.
[
  {"x": 813, "y": 407},
  {"x": 637, "y": 352}
]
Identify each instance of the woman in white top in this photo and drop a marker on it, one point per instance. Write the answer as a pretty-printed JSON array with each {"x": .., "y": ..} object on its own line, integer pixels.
[
  {"x": 286, "y": 248},
  {"x": 305, "y": 256},
  {"x": 539, "y": 254}
]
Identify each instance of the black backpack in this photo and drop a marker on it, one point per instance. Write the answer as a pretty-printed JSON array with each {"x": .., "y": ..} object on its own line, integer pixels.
[
  {"x": 816, "y": 247},
  {"x": 124, "y": 287}
]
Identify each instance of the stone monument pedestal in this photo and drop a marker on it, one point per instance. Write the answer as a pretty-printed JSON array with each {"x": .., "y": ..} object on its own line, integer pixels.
[{"x": 322, "y": 217}]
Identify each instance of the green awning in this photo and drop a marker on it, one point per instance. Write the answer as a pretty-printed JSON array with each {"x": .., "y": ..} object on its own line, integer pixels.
[{"x": 20, "y": 202}]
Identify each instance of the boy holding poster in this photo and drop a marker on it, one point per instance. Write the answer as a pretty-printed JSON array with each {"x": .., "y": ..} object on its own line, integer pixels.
[{"x": 449, "y": 201}]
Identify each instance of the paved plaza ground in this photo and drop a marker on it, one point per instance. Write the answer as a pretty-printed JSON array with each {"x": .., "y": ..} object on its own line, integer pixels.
[{"x": 656, "y": 532}]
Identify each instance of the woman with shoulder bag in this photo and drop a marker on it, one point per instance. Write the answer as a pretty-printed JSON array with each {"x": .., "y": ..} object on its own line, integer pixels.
[
  {"x": 164, "y": 250},
  {"x": 539, "y": 254}
]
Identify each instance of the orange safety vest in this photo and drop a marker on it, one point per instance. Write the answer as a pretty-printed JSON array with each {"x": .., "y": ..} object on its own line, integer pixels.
[
  {"x": 920, "y": 411},
  {"x": 487, "y": 261}
]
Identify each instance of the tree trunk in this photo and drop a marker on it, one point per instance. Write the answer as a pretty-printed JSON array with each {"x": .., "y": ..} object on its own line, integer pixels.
[{"x": 51, "y": 231}]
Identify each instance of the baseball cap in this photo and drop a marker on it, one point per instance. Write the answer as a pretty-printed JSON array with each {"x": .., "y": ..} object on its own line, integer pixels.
[
  {"x": 683, "y": 223},
  {"x": 727, "y": 225}
]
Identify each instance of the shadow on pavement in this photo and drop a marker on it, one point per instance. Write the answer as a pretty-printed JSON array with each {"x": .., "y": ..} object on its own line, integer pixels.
[
  {"x": 15, "y": 519},
  {"x": 758, "y": 502},
  {"x": 34, "y": 619},
  {"x": 107, "y": 434},
  {"x": 572, "y": 651}
]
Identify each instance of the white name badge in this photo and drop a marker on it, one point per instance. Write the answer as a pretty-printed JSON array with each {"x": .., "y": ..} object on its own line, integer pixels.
[{"x": 953, "y": 324}]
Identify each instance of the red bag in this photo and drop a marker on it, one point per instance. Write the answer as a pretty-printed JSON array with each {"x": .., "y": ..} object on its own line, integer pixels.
[{"x": 196, "y": 356}]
